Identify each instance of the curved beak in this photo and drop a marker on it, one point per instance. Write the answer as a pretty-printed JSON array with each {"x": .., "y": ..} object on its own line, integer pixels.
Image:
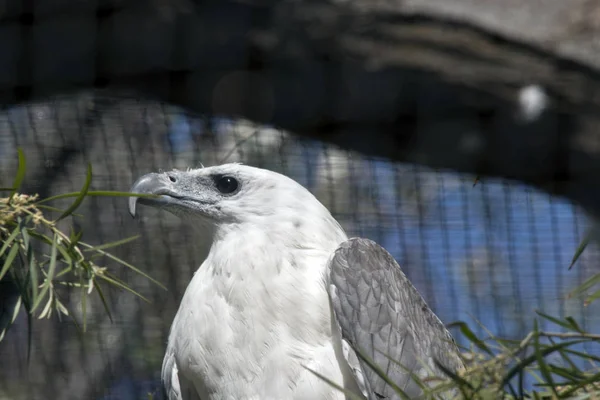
[{"x": 152, "y": 183}]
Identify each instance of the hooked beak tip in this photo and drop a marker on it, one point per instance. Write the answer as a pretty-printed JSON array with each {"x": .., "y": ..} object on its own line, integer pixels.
[{"x": 132, "y": 206}]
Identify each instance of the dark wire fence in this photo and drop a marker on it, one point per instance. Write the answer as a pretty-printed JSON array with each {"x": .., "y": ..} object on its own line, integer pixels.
[{"x": 487, "y": 254}]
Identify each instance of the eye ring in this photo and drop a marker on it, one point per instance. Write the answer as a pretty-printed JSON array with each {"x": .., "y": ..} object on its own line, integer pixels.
[{"x": 227, "y": 184}]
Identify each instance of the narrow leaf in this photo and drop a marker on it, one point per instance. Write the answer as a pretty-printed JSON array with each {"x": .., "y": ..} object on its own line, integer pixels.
[
  {"x": 32, "y": 271},
  {"x": 82, "y": 194},
  {"x": 125, "y": 263},
  {"x": 540, "y": 359},
  {"x": 591, "y": 298},
  {"x": 465, "y": 330},
  {"x": 120, "y": 284},
  {"x": 582, "y": 245},
  {"x": 9, "y": 241},
  {"x": 554, "y": 320},
  {"x": 9, "y": 260},
  {"x": 49, "y": 276},
  {"x": 103, "y": 299},
  {"x": 114, "y": 244},
  {"x": 588, "y": 283},
  {"x": 574, "y": 324},
  {"x": 97, "y": 193},
  {"x": 531, "y": 359},
  {"x": 84, "y": 306},
  {"x": 20, "y": 176}
]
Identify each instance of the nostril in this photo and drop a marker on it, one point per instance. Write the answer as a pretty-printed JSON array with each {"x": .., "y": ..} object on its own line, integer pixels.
[{"x": 172, "y": 178}]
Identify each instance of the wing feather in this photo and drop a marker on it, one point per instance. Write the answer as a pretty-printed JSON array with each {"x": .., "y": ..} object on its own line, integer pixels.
[{"x": 381, "y": 313}]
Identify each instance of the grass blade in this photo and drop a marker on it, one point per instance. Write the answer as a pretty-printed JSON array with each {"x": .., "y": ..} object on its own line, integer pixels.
[
  {"x": 582, "y": 245},
  {"x": 9, "y": 260},
  {"x": 32, "y": 269},
  {"x": 9, "y": 241},
  {"x": 574, "y": 324},
  {"x": 20, "y": 176},
  {"x": 114, "y": 244},
  {"x": 125, "y": 263},
  {"x": 103, "y": 299},
  {"x": 591, "y": 298},
  {"x": 97, "y": 193},
  {"x": 468, "y": 333},
  {"x": 82, "y": 194},
  {"x": 530, "y": 359},
  {"x": 540, "y": 359},
  {"x": 49, "y": 276},
  {"x": 588, "y": 283},
  {"x": 118, "y": 283},
  {"x": 84, "y": 305}
]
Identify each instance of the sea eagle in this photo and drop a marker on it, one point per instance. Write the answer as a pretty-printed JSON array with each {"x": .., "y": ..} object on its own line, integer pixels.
[{"x": 284, "y": 294}]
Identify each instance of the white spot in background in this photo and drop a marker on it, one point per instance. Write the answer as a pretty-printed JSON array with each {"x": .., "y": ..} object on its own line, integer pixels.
[
  {"x": 40, "y": 114},
  {"x": 533, "y": 101}
]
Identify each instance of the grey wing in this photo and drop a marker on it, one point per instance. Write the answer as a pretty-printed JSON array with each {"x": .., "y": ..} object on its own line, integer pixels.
[
  {"x": 381, "y": 313},
  {"x": 175, "y": 386}
]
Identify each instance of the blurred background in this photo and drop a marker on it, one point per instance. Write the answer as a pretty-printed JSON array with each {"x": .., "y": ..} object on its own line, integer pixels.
[{"x": 488, "y": 253}]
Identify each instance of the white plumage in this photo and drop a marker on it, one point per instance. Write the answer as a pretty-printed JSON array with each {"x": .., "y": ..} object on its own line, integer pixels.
[{"x": 258, "y": 311}]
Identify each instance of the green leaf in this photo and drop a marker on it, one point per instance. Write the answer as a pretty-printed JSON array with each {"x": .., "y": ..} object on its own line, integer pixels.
[
  {"x": 20, "y": 176},
  {"x": 9, "y": 241},
  {"x": 118, "y": 283},
  {"x": 9, "y": 260},
  {"x": 465, "y": 330},
  {"x": 74, "y": 241},
  {"x": 113, "y": 244},
  {"x": 588, "y": 283},
  {"x": 588, "y": 237},
  {"x": 582, "y": 245},
  {"x": 585, "y": 356},
  {"x": 574, "y": 324},
  {"x": 462, "y": 383},
  {"x": 531, "y": 359},
  {"x": 591, "y": 298},
  {"x": 55, "y": 209},
  {"x": 3, "y": 189},
  {"x": 595, "y": 378},
  {"x": 554, "y": 320},
  {"x": 32, "y": 271},
  {"x": 540, "y": 358},
  {"x": 125, "y": 263},
  {"x": 84, "y": 306},
  {"x": 97, "y": 193},
  {"x": 49, "y": 276},
  {"x": 569, "y": 374},
  {"x": 103, "y": 299},
  {"x": 82, "y": 194}
]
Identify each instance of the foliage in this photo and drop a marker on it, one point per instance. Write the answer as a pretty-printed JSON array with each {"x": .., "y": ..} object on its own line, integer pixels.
[
  {"x": 39, "y": 258},
  {"x": 496, "y": 368}
]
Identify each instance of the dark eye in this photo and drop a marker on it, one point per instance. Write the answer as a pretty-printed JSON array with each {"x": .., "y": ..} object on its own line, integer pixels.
[{"x": 227, "y": 184}]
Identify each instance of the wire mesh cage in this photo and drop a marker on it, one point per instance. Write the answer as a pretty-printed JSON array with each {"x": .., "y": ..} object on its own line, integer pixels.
[{"x": 487, "y": 253}]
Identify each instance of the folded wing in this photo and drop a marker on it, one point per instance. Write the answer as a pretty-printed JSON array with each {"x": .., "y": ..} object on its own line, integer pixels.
[{"x": 380, "y": 313}]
